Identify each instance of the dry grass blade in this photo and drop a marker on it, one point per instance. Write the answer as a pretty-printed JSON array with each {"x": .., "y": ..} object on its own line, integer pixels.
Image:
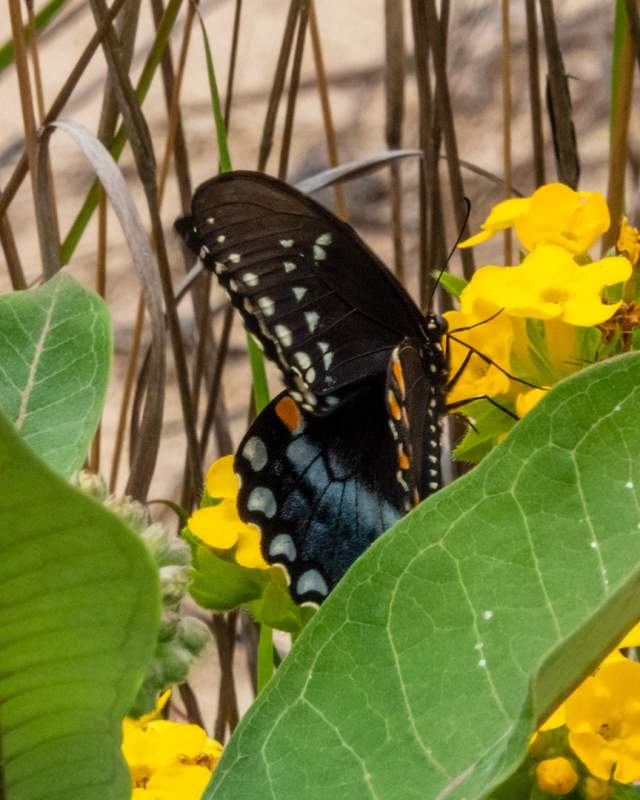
[
  {"x": 490, "y": 176},
  {"x": 429, "y": 183},
  {"x": 140, "y": 140},
  {"x": 354, "y": 169},
  {"x": 14, "y": 266},
  {"x": 506, "y": 117},
  {"x": 232, "y": 64},
  {"x": 327, "y": 116},
  {"x": 559, "y": 101},
  {"x": 534, "y": 93},
  {"x": 46, "y": 225},
  {"x": 22, "y": 167},
  {"x": 445, "y": 114},
  {"x": 394, "y": 116},
  {"x": 618, "y": 152},
  {"x": 116, "y": 188},
  {"x": 303, "y": 18},
  {"x": 266, "y": 142}
]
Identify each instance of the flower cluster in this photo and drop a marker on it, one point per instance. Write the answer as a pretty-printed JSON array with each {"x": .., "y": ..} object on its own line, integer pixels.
[
  {"x": 522, "y": 328},
  {"x": 594, "y": 736},
  {"x": 181, "y": 637},
  {"x": 168, "y": 760}
]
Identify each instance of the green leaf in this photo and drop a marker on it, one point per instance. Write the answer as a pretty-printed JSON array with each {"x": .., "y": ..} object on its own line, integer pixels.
[
  {"x": 490, "y": 422},
  {"x": 221, "y": 585},
  {"x": 426, "y": 671},
  {"x": 276, "y": 609},
  {"x": 452, "y": 284},
  {"x": 55, "y": 351},
  {"x": 79, "y": 616}
]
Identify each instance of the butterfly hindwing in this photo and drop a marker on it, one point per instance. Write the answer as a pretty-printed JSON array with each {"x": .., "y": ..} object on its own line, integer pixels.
[
  {"x": 320, "y": 489},
  {"x": 323, "y": 306},
  {"x": 415, "y": 399}
]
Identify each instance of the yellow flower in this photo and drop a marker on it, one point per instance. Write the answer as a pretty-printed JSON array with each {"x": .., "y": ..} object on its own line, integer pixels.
[
  {"x": 491, "y": 337},
  {"x": 525, "y": 401},
  {"x": 632, "y": 639},
  {"x": 595, "y": 789},
  {"x": 629, "y": 241},
  {"x": 220, "y": 526},
  {"x": 556, "y": 776},
  {"x": 554, "y": 214},
  {"x": 168, "y": 760},
  {"x": 556, "y": 720},
  {"x": 549, "y": 284},
  {"x": 603, "y": 717}
]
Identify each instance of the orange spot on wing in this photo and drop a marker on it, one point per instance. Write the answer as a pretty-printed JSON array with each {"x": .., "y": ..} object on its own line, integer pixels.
[
  {"x": 289, "y": 413},
  {"x": 393, "y": 406},
  {"x": 403, "y": 461},
  {"x": 397, "y": 374}
]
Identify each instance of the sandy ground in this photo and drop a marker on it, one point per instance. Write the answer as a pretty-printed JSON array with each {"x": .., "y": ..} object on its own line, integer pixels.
[{"x": 353, "y": 39}]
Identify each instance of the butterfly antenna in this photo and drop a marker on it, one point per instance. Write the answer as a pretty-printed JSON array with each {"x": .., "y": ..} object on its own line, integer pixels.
[{"x": 467, "y": 204}]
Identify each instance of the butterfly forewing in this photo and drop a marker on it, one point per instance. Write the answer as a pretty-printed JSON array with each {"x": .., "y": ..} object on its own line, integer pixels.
[{"x": 321, "y": 303}]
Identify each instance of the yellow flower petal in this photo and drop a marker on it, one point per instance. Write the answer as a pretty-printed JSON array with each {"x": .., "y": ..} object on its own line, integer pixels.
[
  {"x": 478, "y": 238},
  {"x": 248, "y": 553},
  {"x": 502, "y": 216},
  {"x": 218, "y": 526},
  {"x": 554, "y": 214},
  {"x": 632, "y": 639},
  {"x": 556, "y": 720},
  {"x": 548, "y": 284},
  {"x": 221, "y": 480},
  {"x": 525, "y": 401},
  {"x": 492, "y": 338},
  {"x": 603, "y": 717}
]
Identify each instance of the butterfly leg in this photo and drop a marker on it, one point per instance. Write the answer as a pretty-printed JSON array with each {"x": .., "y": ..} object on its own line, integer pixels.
[
  {"x": 491, "y": 362},
  {"x": 456, "y": 377},
  {"x": 460, "y": 403}
]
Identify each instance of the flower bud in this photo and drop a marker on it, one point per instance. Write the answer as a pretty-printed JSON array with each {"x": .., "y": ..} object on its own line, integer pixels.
[
  {"x": 193, "y": 634},
  {"x": 174, "y": 582},
  {"x": 91, "y": 484},
  {"x": 556, "y": 776}
]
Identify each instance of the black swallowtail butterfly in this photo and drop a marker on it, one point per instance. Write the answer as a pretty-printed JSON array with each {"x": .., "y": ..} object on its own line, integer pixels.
[{"x": 354, "y": 441}]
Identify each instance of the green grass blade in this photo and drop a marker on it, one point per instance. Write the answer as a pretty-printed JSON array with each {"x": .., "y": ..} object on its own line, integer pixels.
[
  {"x": 256, "y": 359},
  {"x": 42, "y": 19}
]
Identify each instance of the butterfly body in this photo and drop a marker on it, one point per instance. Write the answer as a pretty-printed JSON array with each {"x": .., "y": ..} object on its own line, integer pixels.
[{"x": 353, "y": 443}]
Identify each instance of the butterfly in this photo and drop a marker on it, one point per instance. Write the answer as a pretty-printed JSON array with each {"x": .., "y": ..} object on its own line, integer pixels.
[{"x": 353, "y": 442}]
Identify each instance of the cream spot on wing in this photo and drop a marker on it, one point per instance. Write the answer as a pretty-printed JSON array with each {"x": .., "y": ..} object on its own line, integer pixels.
[
  {"x": 283, "y": 545},
  {"x": 255, "y": 452},
  {"x": 303, "y": 359},
  {"x": 250, "y": 278},
  {"x": 289, "y": 266},
  {"x": 220, "y": 238},
  {"x": 319, "y": 254},
  {"x": 312, "y": 581},
  {"x": 262, "y": 499},
  {"x": 312, "y": 318},
  {"x": 266, "y": 305},
  {"x": 299, "y": 292},
  {"x": 284, "y": 335},
  {"x": 286, "y": 242}
]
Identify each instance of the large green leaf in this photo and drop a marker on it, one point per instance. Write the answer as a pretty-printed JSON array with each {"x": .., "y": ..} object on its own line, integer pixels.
[
  {"x": 425, "y": 672},
  {"x": 79, "y": 615},
  {"x": 55, "y": 350}
]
